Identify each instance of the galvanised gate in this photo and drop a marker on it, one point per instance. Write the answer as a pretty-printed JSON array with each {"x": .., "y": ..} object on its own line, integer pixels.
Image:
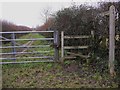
[{"x": 30, "y": 46}]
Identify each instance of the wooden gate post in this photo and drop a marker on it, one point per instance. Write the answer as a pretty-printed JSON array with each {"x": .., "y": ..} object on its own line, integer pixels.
[
  {"x": 62, "y": 45},
  {"x": 111, "y": 39},
  {"x": 13, "y": 44},
  {"x": 56, "y": 45}
]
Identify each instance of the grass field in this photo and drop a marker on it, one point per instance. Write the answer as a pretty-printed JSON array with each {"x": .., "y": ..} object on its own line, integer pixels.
[
  {"x": 40, "y": 50},
  {"x": 69, "y": 74}
]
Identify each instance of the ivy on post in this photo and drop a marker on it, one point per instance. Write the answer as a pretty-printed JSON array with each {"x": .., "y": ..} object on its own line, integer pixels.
[
  {"x": 56, "y": 45},
  {"x": 13, "y": 44}
]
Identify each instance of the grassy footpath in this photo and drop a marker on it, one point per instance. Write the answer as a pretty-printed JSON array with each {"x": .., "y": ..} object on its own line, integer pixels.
[
  {"x": 70, "y": 74},
  {"x": 34, "y": 43}
]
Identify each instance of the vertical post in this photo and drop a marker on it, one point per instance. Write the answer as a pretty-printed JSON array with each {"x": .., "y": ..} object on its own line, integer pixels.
[
  {"x": 13, "y": 44},
  {"x": 92, "y": 43},
  {"x": 62, "y": 45},
  {"x": 111, "y": 39},
  {"x": 56, "y": 45},
  {"x": 92, "y": 34}
]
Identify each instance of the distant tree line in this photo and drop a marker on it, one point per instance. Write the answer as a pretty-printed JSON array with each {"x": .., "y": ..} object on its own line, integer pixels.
[{"x": 9, "y": 27}]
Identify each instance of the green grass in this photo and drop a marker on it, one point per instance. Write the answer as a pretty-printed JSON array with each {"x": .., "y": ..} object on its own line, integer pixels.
[
  {"x": 54, "y": 75},
  {"x": 35, "y": 43},
  {"x": 69, "y": 74}
]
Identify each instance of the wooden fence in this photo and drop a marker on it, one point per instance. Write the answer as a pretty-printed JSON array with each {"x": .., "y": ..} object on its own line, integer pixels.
[
  {"x": 110, "y": 13},
  {"x": 63, "y": 47}
]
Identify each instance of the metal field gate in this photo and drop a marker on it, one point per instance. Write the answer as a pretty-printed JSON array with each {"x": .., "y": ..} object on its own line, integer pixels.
[{"x": 28, "y": 46}]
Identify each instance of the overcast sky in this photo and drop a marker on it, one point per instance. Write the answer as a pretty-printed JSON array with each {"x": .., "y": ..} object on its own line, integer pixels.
[{"x": 29, "y": 13}]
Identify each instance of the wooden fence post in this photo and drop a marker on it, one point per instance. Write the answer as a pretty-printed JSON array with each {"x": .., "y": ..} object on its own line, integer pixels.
[
  {"x": 92, "y": 41},
  {"x": 56, "y": 45},
  {"x": 92, "y": 34},
  {"x": 92, "y": 37},
  {"x": 13, "y": 44},
  {"x": 62, "y": 45},
  {"x": 111, "y": 39}
]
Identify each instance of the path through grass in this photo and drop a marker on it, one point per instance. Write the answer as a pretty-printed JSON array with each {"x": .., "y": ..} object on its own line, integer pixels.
[{"x": 69, "y": 74}]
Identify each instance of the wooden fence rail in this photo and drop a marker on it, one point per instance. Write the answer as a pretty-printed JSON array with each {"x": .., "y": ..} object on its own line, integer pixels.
[{"x": 63, "y": 47}]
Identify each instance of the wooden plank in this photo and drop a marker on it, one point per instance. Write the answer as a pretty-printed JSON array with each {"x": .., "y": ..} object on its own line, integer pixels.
[
  {"x": 69, "y": 57},
  {"x": 105, "y": 13},
  {"x": 75, "y": 47},
  {"x": 78, "y": 54},
  {"x": 77, "y": 37}
]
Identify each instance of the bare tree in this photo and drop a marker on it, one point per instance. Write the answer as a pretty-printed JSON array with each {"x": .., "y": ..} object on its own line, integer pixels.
[{"x": 46, "y": 13}]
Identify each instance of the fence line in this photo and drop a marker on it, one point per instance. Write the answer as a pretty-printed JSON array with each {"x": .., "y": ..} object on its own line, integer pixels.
[
  {"x": 43, "y": 57},
  {"x": 26, "y": 62},
  {"x": 63, "y": 47},
  {"x": 75, "y": 47},
  {"x": 14, "y": 53},
  {"x": 9, "y": 53},
  {"x": 111, "y": 14},
  {"x": 76, "y": 37},
  {"x": 27, "y": 39},
  {"x": 21, "y": 32},
  {"x": 40, "y": 46}
]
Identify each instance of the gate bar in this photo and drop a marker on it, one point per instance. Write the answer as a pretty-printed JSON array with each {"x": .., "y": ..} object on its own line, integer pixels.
[
  {"x": 28, "y": 39},
  {"x": 39, "y": 46},
  {"x": 44, "y": 57},
  {"x": 26, "y": 62},
  {"x": 19, "y": 32}
]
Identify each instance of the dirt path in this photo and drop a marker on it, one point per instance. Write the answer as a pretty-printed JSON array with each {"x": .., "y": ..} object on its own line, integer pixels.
[{"x": 29, "y": 43}]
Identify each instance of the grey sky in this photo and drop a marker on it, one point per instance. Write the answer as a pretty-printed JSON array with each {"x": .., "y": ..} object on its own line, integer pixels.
[{"x": 29, "y": 13}]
